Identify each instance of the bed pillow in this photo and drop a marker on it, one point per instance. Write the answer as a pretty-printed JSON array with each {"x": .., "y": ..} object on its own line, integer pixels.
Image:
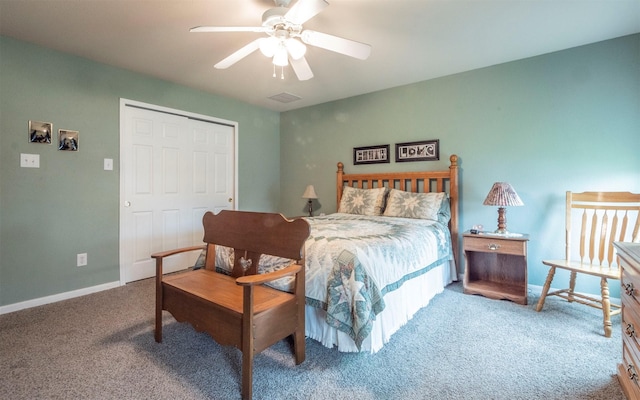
[
  {"x": 362, "y": 201},
  {"x": 444, "y": 213},
  {"x": 415, "y": 205}
]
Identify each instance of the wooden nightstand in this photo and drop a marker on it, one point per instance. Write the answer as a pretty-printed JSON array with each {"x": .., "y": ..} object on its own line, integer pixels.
[{"x": 496, "y": 266}]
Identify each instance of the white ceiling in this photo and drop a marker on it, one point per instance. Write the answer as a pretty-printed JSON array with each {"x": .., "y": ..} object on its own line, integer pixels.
[{"x": 412, "y": 40}]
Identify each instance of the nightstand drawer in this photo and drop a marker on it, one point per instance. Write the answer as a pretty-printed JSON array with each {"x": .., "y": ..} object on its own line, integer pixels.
[{"x": 494, "y": 245}]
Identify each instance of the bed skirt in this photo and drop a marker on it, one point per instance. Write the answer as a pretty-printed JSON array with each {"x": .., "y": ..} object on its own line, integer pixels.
[{"x": 400, "y": 306}]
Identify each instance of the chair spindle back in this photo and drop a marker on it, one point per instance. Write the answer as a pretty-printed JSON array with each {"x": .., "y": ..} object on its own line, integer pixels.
[{"x": 604, "y": 218}]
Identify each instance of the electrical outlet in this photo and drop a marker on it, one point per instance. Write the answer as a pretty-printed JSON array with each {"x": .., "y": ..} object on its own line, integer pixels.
[
  {"x": 81, "y": 259},
  {"x": 108, "y": 164}
]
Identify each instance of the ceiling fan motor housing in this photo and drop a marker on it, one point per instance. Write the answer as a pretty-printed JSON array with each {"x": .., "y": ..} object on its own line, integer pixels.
[
  {"x": 274, "y": 16},
  {"x": 282, "y": 3}
]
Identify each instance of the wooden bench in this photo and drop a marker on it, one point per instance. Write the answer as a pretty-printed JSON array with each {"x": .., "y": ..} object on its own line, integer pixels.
[{"x": 238, "y": 309}]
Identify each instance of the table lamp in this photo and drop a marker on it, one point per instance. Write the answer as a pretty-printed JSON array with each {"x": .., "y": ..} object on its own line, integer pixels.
[
  {"x": 502, "y": 195},
  {"x": 310, "y": 194}
]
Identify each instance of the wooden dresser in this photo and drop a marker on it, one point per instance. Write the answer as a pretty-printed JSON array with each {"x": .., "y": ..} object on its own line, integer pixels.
[{"x": 629, "y": 368}]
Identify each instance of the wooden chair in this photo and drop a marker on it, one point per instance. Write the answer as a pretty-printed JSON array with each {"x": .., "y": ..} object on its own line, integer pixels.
[
  {"x": 602, "y": 218},
  {"x": 239, "y": 310}
]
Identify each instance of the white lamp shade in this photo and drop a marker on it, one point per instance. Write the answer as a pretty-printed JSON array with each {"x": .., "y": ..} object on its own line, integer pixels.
[
  {"x": 309, "y": 193},
  {"x": 296, "y": 49},
  {"x": 268, "y": 46},
  {"x": 281, "y": 58}
]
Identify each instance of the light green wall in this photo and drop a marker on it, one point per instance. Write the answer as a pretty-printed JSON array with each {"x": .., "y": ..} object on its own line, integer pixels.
[
  {"x": 568, "y": 120},
  {"x": 70, "y": 204},
  {"x": 564, "y": 121}
]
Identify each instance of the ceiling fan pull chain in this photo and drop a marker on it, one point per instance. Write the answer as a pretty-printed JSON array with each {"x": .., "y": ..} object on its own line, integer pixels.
[
  {"x": 274, "y": 70},
  {"x": 282, "y": 73}
]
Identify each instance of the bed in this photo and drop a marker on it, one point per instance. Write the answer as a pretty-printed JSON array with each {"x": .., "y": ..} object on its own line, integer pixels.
[
  {"x": 391, "y": 247},
  {"x": 408, "y": 289}
]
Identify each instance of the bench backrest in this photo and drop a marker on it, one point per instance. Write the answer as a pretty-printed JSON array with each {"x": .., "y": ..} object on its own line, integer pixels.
[{"x": 252, "y": 234}]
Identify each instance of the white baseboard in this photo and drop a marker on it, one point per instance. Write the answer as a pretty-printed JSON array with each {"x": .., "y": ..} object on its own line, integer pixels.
[{"x": 57, "y": 297}]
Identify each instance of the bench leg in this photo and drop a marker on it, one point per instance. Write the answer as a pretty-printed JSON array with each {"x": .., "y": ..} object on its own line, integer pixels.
[
  {"x": 158, "y": 330},
  {"x": 299, "y": 345},
  {"x": 247, "y": 374}
]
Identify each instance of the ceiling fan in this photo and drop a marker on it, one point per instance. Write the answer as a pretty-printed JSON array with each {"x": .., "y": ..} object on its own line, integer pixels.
[{"x": 286, "y": 38}]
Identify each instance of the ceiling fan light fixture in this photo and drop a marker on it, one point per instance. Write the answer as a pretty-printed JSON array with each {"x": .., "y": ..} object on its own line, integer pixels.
[
  {"x": 268, "y": 46},
  {"x": 281, "y": 58},
  {"x": 296, "y": 49}
]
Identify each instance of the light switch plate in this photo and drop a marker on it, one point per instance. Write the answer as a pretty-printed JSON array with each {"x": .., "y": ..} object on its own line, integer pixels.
[
  {"x": 81, "y": 259},
  {"x": 29, "y": 160}
]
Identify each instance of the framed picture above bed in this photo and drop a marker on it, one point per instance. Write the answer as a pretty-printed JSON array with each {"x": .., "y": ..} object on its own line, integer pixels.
[
  {"x": 426, "y": 150},
  {"x": 371, "y": 154}
]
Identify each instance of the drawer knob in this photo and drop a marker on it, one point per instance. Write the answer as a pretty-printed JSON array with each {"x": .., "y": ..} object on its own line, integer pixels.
[
  {"x": 631, "y": 371},
  {"x": 630, "y": 331},
  {"x": 493, "y": 246},
  {"x": 628, "y": 289}
]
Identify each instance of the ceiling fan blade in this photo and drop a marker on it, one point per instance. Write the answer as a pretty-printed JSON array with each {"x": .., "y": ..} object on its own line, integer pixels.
[
  {"x": 230, "y": 29},
  {"x": 238, "y": 55},
  {"x": 301, "y": 68},
  {"x": 339, "y": 45},
  {"x": 304, "y": 10}
]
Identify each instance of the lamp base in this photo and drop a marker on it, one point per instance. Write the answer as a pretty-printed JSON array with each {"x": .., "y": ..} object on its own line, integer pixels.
[{"x": 502, "y": 224}]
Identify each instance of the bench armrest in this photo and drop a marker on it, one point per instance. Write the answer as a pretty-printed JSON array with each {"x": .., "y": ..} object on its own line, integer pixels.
[
  {"x": 163, "y": 254},
  {"x": 258, "y": 279}
]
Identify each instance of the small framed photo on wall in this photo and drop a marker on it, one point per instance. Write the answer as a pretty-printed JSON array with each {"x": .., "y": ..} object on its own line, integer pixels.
[
  {"x": 426, "y": 150},
  {"x": 68, "y": 140},
  {"x": 371, "y": 154},
  {"x": 40, "y": 132}
]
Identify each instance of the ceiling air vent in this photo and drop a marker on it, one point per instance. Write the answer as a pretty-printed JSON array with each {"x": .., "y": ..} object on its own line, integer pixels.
[{"x": 285, "y": 97}]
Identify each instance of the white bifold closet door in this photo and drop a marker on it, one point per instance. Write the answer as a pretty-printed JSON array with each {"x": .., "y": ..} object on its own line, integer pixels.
[{"x": 173, "y": 169}]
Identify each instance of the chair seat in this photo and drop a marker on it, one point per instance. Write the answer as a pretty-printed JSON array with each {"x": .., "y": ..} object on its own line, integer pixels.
[
  {"x": 222, "y": 290},
  {"x": 585, "y": 268}
]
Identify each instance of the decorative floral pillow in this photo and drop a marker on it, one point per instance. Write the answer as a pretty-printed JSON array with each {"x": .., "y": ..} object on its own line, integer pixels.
[
  {"x": 414, "y": 205},
  {"x": 362, "y": 201}
]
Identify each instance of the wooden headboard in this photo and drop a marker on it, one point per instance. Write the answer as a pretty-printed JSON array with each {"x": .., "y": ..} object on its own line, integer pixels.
[{"x": 417, "y": 182}]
